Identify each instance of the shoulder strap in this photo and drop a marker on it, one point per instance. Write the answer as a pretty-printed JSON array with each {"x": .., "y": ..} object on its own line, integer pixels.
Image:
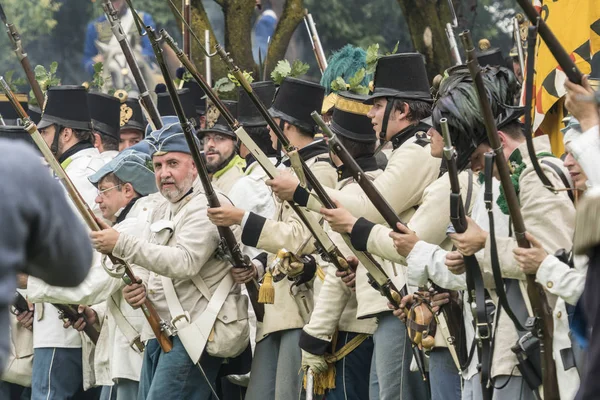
[
  {"x": 130, "y": 333},
  {"x": 562, "y": 177}
]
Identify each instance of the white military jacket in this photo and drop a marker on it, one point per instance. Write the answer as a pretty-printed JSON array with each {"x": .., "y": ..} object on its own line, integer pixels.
[{"x": 226, "y": 177}]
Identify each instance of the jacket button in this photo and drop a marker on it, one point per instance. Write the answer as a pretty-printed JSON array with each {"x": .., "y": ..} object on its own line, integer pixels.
[
  {"x": 224, "y": 317},
  {"x": 550, "y": 284},
  {"x": 559, "y": 314}
]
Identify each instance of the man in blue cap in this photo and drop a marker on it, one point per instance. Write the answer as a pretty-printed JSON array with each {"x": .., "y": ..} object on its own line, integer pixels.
[
  {"x": 123, "y": 188},
  {"x": 191, "y": 286}
]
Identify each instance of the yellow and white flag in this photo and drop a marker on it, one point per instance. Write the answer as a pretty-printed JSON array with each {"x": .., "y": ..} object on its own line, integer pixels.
[{"x": 576, "y": 24}]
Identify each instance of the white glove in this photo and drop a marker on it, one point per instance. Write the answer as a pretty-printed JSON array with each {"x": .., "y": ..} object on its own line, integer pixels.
[{"x": 316, "y": 363}]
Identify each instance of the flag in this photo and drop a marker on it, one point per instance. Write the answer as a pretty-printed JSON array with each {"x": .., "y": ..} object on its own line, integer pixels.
[{"x": 576, "y": 24}]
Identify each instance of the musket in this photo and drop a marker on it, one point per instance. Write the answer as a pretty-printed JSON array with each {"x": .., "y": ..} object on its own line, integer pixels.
[
  {"x": 145, "y": 97},
  {"x": 159, "y": 327},
  {"x": 229, "y": 245},
  {"x": 69, "y": 311},
  {"x": 557, "y": 50},
  {"x": 474, "y": 277},
  {"x": 450, "y": 35},
  {"x": 381, "y": 281},
  {"x": 185, "y": 34},
  {"x": 315, "y": 41},
  {"x": 207, "y": 59},
  {"x": 15, "y": 39},
  {"x": 543, "y": 325},
  {"x": 324, "y": 243},
  {"x": 519, "y": 44},
  {"x": 19, "y": 304}
]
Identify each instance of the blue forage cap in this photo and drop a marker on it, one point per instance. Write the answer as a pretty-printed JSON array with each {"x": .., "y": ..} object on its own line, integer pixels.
[
  {"x": 132, "y": 167},
  {"x": 169, "y": 138},
  {"x": 141, "y": 146}
]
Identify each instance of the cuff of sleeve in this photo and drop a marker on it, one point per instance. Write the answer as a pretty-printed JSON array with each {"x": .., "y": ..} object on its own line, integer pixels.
[
  {"x": 312, "y": 344},
  {"x": 417, "y": 262},
  {"x": 119, "y": 250},
  {"x": 252, "y": 229},
  {"x": 35, "y": 289},
  {"x": 262, "y": 259},
  {"x": 546, "y": 270},
  {"x": 301, "y": 196},
  {"x": 360, "y": 233},
  {"x": 245, "y": 219}
]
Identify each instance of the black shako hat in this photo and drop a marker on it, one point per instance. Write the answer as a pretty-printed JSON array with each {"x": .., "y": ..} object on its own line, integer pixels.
[
  {"x": 16, "y": 133},
  {"x": 198, "y": 96},
  {"x": 220, "y": 124},
  {"x": 8, "y": 113},
  {"x": 67, "y": 106},
  {"x": 132, "y": 116},
  {"x": 488, "y": 55},
  {"x": 401, "y": 76},
  {"x": 248, "y": 115},
  {"x": 105, "y": 111},
  {"x": 35, "y": 114},
  {"x": 350, "y": 120},
  {"x": 295, "y": 100},
  {"x": 165, "y": 105}
]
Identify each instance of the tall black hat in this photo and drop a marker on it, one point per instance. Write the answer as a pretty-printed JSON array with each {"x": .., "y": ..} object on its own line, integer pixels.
[
  {"x": 295, "y": 100},
  {"x": 132, "y": 116},
  {"x": 198, "y": 96},
  {"x": 8, "y": 113},
  {"x": 35, "y": 113},
  {"x": 67, "y": 106},
  {"x": 488, "y": 55},
  {"x": 165, "y": 106},
  {"x": 402, "y": 76},
  {"x": 105, "y": 111},
  {"x": 350, "y": 120},
  {"x": 16, "y": 133},
  {"x": 248, "y": 114},
  {"x": 216, "y": 123}
]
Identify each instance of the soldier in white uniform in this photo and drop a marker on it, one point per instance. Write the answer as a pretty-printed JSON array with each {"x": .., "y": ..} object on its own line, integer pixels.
[
  {"x": 105, "y": 111},
  {"x": 189, "y": 284}
]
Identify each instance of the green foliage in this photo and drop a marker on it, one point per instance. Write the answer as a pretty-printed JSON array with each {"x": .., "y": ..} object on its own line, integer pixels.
[
  {"x": 353, "y": 85},
  {"x": 247, "y": 76},
  {"x": 224, "y": 85},
  {"x": 45, "y": 78},
  {"x": 98, "y": 80},
  {"x": 284, "y": 69},
  {"x": 14, "y": 84}
]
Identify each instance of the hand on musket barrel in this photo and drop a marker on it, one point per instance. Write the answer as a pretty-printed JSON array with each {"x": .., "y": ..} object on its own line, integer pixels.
[
  {"x": 584, "y": 111},
  {"x": 88, "y": 316},
  {"x": 284, "y": 185},
  {"x": 404, "y": 240},
  {"x": 105, "y": 240}
]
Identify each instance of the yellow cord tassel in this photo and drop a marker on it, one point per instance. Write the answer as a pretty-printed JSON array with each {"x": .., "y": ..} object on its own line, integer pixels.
[
  {"x": 323, "y": 381},
  {"x": 266, "y": 294}
]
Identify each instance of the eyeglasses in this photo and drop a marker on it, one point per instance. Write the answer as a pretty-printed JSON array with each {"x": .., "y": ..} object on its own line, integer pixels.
[
  {"x": 102, "y": 193},
  {"x": 217, "y": 138}
]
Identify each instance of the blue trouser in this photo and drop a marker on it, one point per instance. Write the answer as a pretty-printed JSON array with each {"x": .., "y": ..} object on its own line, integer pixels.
[
  {"x": 57, "y": 374},
  {"x": 12, "y": 391},
  {"x": 173, "y": 376},
  {"x": 391, "y": 378},
  {"x": 276, "y": 368},
  {"x": 443, "y": 371},
  {"x": 123, "y": 389},
  {"x": 352, "y": 371}
]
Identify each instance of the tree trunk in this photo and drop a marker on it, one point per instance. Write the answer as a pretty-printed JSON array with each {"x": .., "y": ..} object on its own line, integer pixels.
[
  {"x": 199, "y": 24},
  {"x": 428, "y": 32},
  {"x": 238, "y": 33},
  {"x": 293, "y": 13}
]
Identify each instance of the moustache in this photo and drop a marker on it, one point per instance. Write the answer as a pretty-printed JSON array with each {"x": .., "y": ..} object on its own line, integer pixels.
[{"x": 163, "y": 181}]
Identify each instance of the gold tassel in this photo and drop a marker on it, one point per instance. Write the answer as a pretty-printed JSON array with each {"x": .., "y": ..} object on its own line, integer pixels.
[
  {"x": 266, "y": 294},
  {"x": 323, "y": 382}
]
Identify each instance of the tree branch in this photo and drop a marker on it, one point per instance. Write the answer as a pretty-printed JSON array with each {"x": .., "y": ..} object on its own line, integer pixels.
[
  {"x": 220, "y": 2},
  {"x": 293, "y": 13},
  {"x": 238, "y": 33}
]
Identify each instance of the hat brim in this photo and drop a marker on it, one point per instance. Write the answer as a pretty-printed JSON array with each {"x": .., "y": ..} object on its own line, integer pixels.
[
  {"x": 291, "y": 120},
  {"x": 44, "y": 123},
  {"x": 217, "y": 128},
  {"x": 387, "y": 92}
]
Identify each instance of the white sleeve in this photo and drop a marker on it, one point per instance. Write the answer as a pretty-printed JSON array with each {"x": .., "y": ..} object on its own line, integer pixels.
[{"x": 427, "y": 261}]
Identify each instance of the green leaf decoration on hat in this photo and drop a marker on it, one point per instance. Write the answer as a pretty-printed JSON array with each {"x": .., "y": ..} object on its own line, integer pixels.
[
  {"x": 284, "y": 70},
  {"x": 247, "y": 76},
  {"x": 98, "y": 80},
  {"x": 14, "y": 83},
  {"x": 373, "y": 56},
  {"x": 224, "y": 85},
  {"x": 187, "y": 77},
  {"x": 45, "y": 79},
  {"x": 353, "y": 85}
]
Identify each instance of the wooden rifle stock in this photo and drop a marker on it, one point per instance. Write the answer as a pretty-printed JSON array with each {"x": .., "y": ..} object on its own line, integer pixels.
[
  {"x": 557, "y": 50},
  {"x": 145, "y": 97},
  {"x": 15, "y": 39},
  {"x": 19, "y": 304},
  {"x": 544, "y": 325},
  {"x": 84, "y": 210},
  {"x": 229, "y": 244},
  {"x": 69, "y": 311}
]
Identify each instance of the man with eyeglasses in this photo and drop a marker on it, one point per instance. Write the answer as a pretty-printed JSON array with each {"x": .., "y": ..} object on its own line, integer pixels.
[
  {"x": 221, "y": 150},
  {"x": 124, "y": 185}
]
